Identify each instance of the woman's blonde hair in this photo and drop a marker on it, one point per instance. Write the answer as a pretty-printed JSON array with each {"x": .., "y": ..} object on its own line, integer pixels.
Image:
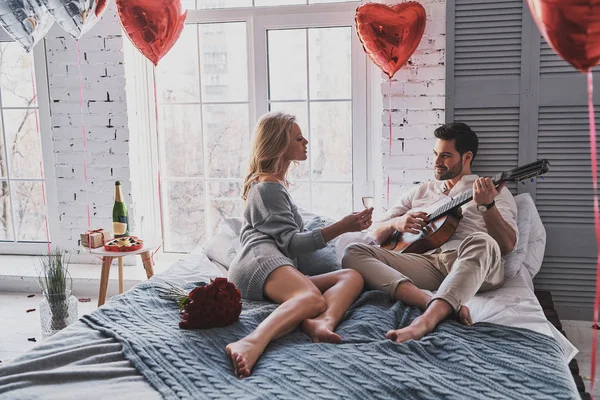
[{"x": 271, "y": 139}]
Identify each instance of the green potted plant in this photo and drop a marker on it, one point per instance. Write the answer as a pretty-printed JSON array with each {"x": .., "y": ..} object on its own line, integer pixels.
[{"x": 58, "y": 308}]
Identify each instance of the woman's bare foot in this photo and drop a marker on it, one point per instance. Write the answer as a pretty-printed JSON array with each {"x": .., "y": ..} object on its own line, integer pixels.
[
  {"x": 420, "y": 327},
  {"x": 319, "y": 330},
  {"x": 244, "y": 354},
  {"x": 464, "y": 316}
]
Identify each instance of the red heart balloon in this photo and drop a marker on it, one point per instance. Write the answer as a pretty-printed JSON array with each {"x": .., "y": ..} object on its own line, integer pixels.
[
  {"x": 153, "y": 26},
  {"x": 390, "y": 34},
  {"x": 571, "y": 28}
]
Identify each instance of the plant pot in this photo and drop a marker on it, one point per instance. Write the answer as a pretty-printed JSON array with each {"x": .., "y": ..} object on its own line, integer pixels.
[{"x": 57, "y": 311}]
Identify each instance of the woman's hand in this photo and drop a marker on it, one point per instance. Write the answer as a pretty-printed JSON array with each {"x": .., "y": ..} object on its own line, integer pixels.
[
  {"x": 357, "y": 221},
  {"x": 350, "y": 223},
  {"x": 412, "y": 222}
]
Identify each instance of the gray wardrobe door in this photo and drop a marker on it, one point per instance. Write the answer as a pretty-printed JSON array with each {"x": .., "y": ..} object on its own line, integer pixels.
[
  {"x": 486, "y": 64},
  {"x": 525, "y": 103},
  {"x": 564, "y": 199}
]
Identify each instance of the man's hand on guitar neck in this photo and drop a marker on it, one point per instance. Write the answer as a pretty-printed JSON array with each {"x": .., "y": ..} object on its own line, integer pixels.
[{"x": 412, "y": 222}]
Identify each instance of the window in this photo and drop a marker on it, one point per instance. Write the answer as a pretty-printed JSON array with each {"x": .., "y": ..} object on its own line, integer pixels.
[
  {"x": 22, "y": 209},
  {"x": 229, "y": 67}
]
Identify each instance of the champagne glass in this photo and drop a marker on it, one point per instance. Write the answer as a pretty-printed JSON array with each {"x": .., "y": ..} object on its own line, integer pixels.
[{"x": 368, "y": 192}]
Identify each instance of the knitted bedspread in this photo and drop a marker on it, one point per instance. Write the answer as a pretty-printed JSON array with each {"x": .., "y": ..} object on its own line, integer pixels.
[{"x": 484, "y": 361}]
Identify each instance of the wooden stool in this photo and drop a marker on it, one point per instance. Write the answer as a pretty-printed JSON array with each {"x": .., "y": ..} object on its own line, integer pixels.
[{"x": 107, "y": 258}]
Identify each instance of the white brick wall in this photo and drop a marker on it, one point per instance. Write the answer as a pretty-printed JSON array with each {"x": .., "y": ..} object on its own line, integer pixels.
[
  {"x": 417, "y": 96},
  {"x": 105, "y": 120}
]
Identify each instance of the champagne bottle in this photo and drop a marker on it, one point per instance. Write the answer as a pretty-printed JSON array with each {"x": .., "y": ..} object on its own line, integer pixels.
[{"x": 120, "y": 219}]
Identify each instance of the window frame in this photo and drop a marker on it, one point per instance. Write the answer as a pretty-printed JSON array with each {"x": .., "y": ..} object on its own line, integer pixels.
[
  {"x": 45, "y": 131},
  {"x": 258, "y": 21}
]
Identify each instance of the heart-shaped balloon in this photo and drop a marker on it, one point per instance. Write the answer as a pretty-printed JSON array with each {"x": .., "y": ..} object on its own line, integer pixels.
[
  {"x": 26, "y": 22},
  {"x": 390, "y": 34},
  {"x": 76, "y": 16},
  {"x": 153, "y": 26},
  {"x": 571, "y": 28}
]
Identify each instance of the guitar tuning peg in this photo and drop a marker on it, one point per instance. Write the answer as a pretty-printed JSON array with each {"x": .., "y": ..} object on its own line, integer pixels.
[
  {"x": 541, "y": 177},
  {"x": 532, "y": 180},
  {"x": 523, "y": 183}
]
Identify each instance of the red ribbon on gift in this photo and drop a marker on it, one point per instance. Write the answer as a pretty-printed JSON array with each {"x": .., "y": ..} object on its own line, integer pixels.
[{"x": 89, "y": 234}]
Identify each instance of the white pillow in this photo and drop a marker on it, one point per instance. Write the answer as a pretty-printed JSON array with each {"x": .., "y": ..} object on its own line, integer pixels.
[
  {"x": 536, "y": 243},
  {"x": 531, "y": 243},
  {"x": 223, "y": 247}
]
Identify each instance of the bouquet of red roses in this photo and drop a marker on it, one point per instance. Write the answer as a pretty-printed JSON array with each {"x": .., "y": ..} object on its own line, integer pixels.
[{"x": 209, "y": 306}]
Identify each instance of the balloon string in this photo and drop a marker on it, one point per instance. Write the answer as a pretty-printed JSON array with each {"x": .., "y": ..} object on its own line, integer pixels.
[
  {"x": 37, "y": 130},
  {"x": 391, "y": 142},
  {"x": 160, "y": 208},
  {"x": 85, "y": 177},
  {"x": 594, "y": 161}
]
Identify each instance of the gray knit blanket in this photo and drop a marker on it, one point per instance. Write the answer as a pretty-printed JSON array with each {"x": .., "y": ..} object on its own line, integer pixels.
[{"x": 484, "y": 361}]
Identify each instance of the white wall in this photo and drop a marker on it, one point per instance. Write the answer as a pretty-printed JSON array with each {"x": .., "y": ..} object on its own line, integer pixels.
[
  {"x": 417, "y": 95},
  {"x": 105, "y": 120}
]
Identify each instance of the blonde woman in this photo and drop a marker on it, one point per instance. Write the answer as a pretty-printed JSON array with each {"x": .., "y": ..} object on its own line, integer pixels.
[{"x": 272, "y": 237}]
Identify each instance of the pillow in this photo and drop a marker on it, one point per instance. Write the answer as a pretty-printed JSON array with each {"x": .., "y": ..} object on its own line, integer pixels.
[
  {"x": 320, "y": 261},
  {"x": 536, "y": 241},
  {"x": 531, "y": 243},
  {"x": 235, "y": 224},
  {"x": 222, "y": 248}
]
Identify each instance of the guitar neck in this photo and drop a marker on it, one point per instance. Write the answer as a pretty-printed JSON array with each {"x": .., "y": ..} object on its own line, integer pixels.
[{"x": 458, "y": 201}]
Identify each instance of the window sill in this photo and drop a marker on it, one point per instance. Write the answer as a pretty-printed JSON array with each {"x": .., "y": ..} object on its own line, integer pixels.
[{"x": 19, "y": 274}]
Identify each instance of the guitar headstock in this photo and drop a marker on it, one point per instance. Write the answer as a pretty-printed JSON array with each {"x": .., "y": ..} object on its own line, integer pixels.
[{"x": 530, "y": 170}]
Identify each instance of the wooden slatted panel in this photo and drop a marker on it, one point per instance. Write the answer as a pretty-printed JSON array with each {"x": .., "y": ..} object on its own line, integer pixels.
[
  {"x": 488, "y": 38},
  {"x": 565, "y": 194},
  {"x": 572, "y": 283},
  {"x": 498, "y": 132},
  {"x": 551, "y": 65}
]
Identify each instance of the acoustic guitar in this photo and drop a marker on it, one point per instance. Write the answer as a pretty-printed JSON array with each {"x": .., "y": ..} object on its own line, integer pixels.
[{"x": 443, "y": 220}]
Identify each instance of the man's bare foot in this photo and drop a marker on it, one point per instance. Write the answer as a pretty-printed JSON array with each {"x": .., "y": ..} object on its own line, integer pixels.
[
  {"x": 464, "y": 316},
  {"x": 319, "y": 331},
  {"x": 415, "y": 331},
  {"x": 244, "y": 354}
]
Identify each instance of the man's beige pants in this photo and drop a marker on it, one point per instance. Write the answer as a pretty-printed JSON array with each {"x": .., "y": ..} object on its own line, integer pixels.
[{"x": 476, "y": 265}]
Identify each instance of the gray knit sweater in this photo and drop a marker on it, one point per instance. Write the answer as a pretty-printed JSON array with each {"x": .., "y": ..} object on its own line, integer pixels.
[{"x": 273, "y": 235}]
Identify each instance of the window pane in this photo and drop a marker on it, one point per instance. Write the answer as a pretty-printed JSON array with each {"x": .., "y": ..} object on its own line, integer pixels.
[
  {"x": 184, "y": 215},
  {"x": 331, "y": 140},
  {"x": 177, "y": 76},
  {"x": 332, "y": 200},
  {"x": 227, "y": 133},
  {"x": 300, "y": 110},
  {"x": 29, "y": 211},
  {"x": 225, "y": 201},
  {"x": 300, "y": 192},
  {"x": 16, "y": 72},
  {"x": 287, "y": 64},
  {"x": 330, "y": 63},
  {"x": 224, "y": 62},
  {"x": 6, "y": 228},
  {"x": 24, "y": 144},
  {"x": 206, "y": 4},
  {"x": 181, "y": 135}
]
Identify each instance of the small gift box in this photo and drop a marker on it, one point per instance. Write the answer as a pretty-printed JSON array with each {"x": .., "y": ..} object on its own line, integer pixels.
[{"x": 96, "y": 238}]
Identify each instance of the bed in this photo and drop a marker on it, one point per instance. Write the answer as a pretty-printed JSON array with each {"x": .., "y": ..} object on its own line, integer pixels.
[{"x": 132, "y": 348}]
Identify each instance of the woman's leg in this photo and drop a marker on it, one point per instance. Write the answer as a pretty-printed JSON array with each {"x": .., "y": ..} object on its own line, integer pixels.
[
  {"x": 340, "y": 289},
  {"x": 299, "y": 298}
]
